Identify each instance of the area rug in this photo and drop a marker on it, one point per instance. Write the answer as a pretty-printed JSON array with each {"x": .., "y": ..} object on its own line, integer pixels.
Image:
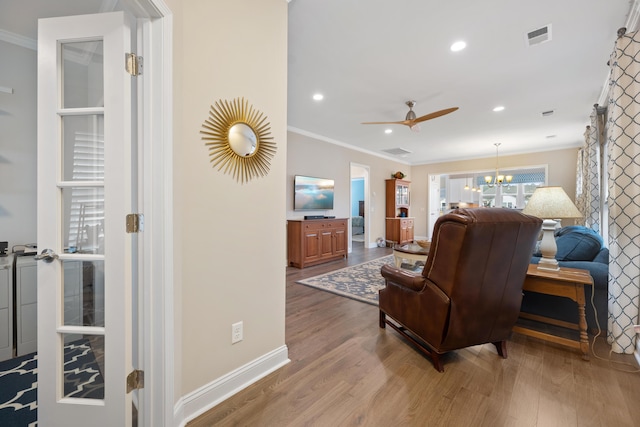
[
  {"x": 360, "y": 282},
  {"x": 19, "y": 383}
]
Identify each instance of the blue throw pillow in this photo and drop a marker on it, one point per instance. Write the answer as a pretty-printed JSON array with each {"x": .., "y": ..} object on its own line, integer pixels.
[
  {"x": 580, "y": 229},
  {"x": 577, "y": 244},
  {"x": 603, "y": 256}
]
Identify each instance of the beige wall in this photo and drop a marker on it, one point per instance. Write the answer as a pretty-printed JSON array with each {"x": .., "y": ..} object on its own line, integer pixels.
[
  {"x": 310, "y": 156},
  {"x": 228, "y": 252},
  {"x": 561, "y": 172}
]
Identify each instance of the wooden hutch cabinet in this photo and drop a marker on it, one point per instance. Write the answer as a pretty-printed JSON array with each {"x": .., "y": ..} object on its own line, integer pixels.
[
  {"x": 398, "y": 224},
  {"x": 315, "y": 241}
]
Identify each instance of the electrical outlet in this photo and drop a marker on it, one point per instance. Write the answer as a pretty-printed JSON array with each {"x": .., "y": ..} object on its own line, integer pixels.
[{"x": 236, "y": 332}]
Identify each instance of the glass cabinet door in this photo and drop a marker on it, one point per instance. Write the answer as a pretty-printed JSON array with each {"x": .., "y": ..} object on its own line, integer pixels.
[{"x": 402, "y": 195}]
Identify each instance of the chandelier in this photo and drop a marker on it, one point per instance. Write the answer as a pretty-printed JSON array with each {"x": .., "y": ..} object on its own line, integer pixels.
[{"x": 497, "y": 180}]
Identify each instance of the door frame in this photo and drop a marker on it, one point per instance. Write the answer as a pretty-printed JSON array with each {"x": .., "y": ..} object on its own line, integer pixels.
[
  {"x": 157, "y": 319},
  {"x": 367, "y": 216}
]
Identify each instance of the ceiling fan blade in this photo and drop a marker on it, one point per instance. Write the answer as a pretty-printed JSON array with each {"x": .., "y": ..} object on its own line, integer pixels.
[
  {"x": 435, "y": 114},
  {"x": 403, "y": 122}
]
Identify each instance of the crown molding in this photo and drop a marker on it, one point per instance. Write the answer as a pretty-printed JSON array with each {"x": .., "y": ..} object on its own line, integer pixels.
[
  {"x": 17, "y": 39},
  {"x": 345, "y": 145}
]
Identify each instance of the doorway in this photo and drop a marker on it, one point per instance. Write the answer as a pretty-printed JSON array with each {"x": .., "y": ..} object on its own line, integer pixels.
[{"x": 359, "y": 206}]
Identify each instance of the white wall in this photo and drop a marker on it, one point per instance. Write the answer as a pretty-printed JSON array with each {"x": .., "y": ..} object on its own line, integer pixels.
[
  {"x": 230, "y": 237},
  {"x": 17, "y": 145}
]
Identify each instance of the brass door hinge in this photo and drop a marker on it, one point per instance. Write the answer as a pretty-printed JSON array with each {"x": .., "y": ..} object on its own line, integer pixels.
[
  {"x": 135, "y": 380},
  {"x": 133, "y": 64},
  {"x": 135, "y": 223}
]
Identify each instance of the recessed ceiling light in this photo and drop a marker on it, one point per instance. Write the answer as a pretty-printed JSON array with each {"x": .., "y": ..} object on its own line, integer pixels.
[
  {"x": 318, "y": 97},
  {"x": 458, "y": 46},
  {"x": 498, "y": 108},
  {"x": 388, "y": 131}
]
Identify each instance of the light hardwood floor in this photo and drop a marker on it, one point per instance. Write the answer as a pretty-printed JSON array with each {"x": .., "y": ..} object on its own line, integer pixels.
[{"x": 346, "y": 371}]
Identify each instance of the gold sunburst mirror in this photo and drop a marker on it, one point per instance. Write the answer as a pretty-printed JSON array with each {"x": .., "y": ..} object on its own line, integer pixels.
[{"x": 238, "y": 139}]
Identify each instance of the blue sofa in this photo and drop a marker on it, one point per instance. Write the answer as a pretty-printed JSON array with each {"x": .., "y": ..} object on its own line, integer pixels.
[{"x": 578, "y": 247}]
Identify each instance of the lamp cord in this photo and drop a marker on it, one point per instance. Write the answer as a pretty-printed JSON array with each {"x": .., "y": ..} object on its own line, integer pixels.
[{"x": 593, "y": 342}]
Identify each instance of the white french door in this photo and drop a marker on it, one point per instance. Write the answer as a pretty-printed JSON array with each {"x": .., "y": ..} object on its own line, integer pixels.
[{"x": 86, "y": 187}]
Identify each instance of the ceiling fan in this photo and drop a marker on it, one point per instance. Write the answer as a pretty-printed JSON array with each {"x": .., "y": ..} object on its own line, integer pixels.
[{"x": 411, "y": 120}]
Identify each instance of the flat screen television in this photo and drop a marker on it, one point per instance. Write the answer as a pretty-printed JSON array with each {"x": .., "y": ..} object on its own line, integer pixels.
[{"x": 312, "y": 193}]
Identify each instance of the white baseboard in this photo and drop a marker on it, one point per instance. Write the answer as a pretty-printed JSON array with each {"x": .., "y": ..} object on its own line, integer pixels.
[{"x": 206, "y": 397}]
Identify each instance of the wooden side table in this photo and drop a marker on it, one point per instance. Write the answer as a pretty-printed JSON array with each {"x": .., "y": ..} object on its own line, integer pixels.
[
  {"x": 410, "y": 251},
  {"x": 569, "y": 283}
]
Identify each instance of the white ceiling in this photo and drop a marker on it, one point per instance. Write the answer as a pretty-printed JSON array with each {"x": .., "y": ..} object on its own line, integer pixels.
[{"x": 369, "y": 57}]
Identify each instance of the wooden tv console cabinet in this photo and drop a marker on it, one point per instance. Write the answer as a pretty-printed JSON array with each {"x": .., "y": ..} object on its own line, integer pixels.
[{"x": 314, "y": 241}]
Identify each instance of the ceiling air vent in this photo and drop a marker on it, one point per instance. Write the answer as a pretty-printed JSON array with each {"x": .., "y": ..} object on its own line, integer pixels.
[
  {"x": 397, "y": 151},
  {"x": 539, "y": 35},
  {"x": 547, "y": 113}
]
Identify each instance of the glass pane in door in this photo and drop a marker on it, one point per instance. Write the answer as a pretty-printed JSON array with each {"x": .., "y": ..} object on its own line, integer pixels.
[
  {"x": 82, "y": 74},
  {"x": 83, "y": 147},
  {"x": 83, "y": 366},
  {"x": 83, "y": 293},
  {"x": 83, "y": 219}
]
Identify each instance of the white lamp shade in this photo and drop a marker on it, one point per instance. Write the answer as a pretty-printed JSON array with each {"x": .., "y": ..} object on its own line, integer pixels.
[{"x": 551, "y": 203}]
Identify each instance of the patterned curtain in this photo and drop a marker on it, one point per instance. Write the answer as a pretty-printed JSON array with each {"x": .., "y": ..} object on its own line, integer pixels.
[
  {"x": 581, "y": 171},
  {"x": 588, "y": 171},
  {"x": 623, "y": 134},
  {"x": 596, "y": 137}
]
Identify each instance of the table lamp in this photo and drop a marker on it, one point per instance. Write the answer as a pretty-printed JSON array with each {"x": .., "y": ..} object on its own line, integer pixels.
[{"x": 550, "y": 202}]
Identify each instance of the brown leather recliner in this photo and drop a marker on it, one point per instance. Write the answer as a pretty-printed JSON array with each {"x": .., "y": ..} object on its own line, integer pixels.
[{"x": 470, "y": 289}]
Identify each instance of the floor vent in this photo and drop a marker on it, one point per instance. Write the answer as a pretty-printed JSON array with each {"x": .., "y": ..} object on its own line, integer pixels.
[
  {"x": 539, "y": 35},
  {"x": 397, "y": 151}
]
